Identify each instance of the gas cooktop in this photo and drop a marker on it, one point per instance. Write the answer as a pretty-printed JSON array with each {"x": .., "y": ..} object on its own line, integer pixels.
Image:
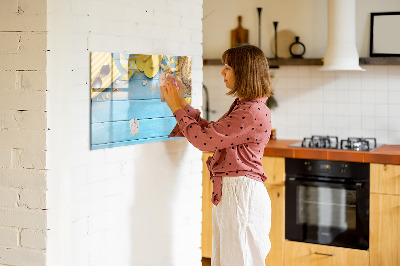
[{"x": 332, "y": 142}]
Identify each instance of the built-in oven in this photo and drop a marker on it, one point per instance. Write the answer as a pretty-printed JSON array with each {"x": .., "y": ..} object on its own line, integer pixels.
[{"x": 327, "y": 202}]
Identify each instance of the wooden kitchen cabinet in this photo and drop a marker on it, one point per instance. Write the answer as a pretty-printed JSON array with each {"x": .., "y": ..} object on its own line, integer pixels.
[
  {"x": 277, "y": 233},
  {"x": 206, "y": 225},
  {"x": 385, "y": 215},
  {"x": 384, "y": 236},
  {"x": 305, "y": 254},
  {"x": 274, "y": 168},
  {"x": 385, "y": 178}
]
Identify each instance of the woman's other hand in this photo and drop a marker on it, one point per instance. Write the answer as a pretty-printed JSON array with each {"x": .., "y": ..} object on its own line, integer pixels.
[
  {"x": 174, "y": 94},
  {"x": 181, "y": 89}
]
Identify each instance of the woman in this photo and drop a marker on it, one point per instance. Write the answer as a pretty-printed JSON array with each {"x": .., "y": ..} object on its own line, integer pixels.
[{"x": 242, "y": 208}]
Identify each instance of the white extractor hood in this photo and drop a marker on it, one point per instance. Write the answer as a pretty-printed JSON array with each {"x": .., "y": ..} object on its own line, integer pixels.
[{"x": 341, "y": 51}]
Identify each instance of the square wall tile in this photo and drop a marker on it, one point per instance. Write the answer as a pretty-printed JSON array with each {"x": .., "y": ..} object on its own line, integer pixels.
[
  {"x": 382, "y": 136},
  {"x": 394, "y": 97},
  {"x": 381, "y": 110},
  {"x": 394, "y": 110},
  {"x": 394, "y": 137}
]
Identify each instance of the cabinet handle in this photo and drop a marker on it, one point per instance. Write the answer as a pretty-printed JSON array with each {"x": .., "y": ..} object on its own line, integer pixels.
[{"x": 324, "y": 254}]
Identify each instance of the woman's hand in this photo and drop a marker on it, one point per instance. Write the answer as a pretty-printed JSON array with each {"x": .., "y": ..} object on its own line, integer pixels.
[
  {"x": 174, "y": 94},
  {"x": 181, "y": 89}
]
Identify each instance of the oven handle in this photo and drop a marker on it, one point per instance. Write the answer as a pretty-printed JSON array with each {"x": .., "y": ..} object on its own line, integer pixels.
[{"x": 357, "y": 185}]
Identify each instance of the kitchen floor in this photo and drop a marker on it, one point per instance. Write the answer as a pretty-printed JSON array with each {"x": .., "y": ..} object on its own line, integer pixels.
[{"x": 206, "y": 261}]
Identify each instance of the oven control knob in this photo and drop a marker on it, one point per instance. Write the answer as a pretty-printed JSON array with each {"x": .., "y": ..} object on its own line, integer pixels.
[
  {"x": 308, "y": 166},
  {"x": 343, "y": 168}
]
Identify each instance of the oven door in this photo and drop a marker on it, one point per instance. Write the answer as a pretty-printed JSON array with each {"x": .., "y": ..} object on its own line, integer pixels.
[{"x": 327, "y": 213}]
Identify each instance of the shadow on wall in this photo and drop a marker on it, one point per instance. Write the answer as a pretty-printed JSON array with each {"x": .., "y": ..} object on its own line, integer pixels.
[{"x": 154, "y": 204}]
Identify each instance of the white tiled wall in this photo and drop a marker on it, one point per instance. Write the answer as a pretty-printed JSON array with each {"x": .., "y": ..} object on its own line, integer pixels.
[{"x": 312, "y": 102}]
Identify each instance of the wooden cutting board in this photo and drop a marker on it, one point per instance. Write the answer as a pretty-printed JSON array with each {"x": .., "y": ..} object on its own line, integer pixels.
[{"x": 239, "y": 35}]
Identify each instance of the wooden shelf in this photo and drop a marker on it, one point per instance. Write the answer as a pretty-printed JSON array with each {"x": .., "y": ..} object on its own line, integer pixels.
[
  {"x": 273, "y": 63},
  {"x": 380, "y": 61}
]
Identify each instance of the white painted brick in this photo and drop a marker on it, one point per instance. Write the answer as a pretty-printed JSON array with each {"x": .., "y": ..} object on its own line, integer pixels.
[
  {"x": 191, "y": 23},
  {"x": 34, "y": 120},
  {"x": 196, "y": 166},
  {"x": 196, "y": 10},
  {"x": 33, "y": 7},
  {"x": 22, "y": 100},
  {"x": 31, "y": 61},
  {"x": 33, "y": 239},
  {"x": 158, "y": 32},
  {"x": 12, "y": 21},
  {"x": 30, "y": 54},
  {"x": 33, "y": 199},
  {"x": 33, "y": 159},
  {"x": 31, "y": 80},
  {"x": 23, "y": 178},
  {"x": 98, "y": 222},
  {"x": 8, "y": 6},
  {"x": 192, "y": 49},
  {"x": 22, "y": 139},
  {"x": 197, "y": 63},
  {"x": 178, "y": 7},
  {"x": 79, "y": 175},
  {"x": 8, "y": 237},
  {"x": 5, "y": 158},
  {"x": 7, "y": 80},
  {"x": 8, "y": 197},
  {"x": 168, "y": 20},
  {"x": 114, "y": 186},
  {"x": 196, "y": 38},
  {"x": 141, "y": 45},
  {"x": 17, "y": 256},
  {"x": 9, "y": 42},
  {"x": 80, "y": 227},
  {"x": 23, "y": 218},
  {"x": 15, "y": 158}
]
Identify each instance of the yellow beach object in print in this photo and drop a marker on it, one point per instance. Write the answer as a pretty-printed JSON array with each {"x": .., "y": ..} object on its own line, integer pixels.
[{"x": 103, "y": 72}]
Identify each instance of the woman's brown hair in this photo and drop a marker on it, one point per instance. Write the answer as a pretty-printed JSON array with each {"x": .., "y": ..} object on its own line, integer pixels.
[{"x": 250, "y": 66}]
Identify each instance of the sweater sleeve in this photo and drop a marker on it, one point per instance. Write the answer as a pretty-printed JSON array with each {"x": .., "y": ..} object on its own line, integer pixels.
[
  {"x": 193, "y": 113},
  {"x": 229, "y": 131}
]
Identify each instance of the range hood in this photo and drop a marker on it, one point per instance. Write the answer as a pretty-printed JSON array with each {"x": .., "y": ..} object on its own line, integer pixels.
[{"x": 341, "y": 51}]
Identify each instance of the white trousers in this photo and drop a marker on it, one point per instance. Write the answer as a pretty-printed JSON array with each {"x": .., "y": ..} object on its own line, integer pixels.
[{"x": 241, "y": 223}]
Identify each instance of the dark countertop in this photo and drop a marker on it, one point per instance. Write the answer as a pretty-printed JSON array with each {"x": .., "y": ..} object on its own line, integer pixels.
[{"x": 389, "y": 154}]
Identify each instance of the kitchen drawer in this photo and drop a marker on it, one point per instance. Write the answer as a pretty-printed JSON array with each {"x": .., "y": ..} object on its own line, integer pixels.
[{"x": 305, "y": 254}]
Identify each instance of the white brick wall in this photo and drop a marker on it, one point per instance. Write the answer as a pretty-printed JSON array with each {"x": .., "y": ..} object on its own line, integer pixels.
[
  {"x": 134, "y": 205},
  {"x": 23, "y": 132}
]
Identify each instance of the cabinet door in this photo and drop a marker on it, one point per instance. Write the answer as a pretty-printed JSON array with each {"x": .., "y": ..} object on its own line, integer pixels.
[
  {"x": 206, "y": 226},
  {"x": 385, "y": 178},
  {"x": 384, "y": 230},
  {"x": 277, "y": 233},
  {"x": 304, "y": 254},
  {"x": 274, "y": 168}
]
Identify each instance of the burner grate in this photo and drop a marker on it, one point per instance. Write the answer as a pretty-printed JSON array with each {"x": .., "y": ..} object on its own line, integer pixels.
[
  {"x": 332, "y": 142},
  {"x": 327, "y": 142},
  {"x": 358, "y": 144}
]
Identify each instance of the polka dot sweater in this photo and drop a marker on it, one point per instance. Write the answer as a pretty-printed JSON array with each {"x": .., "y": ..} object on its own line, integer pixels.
[{"x": 238, "y": 139}]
